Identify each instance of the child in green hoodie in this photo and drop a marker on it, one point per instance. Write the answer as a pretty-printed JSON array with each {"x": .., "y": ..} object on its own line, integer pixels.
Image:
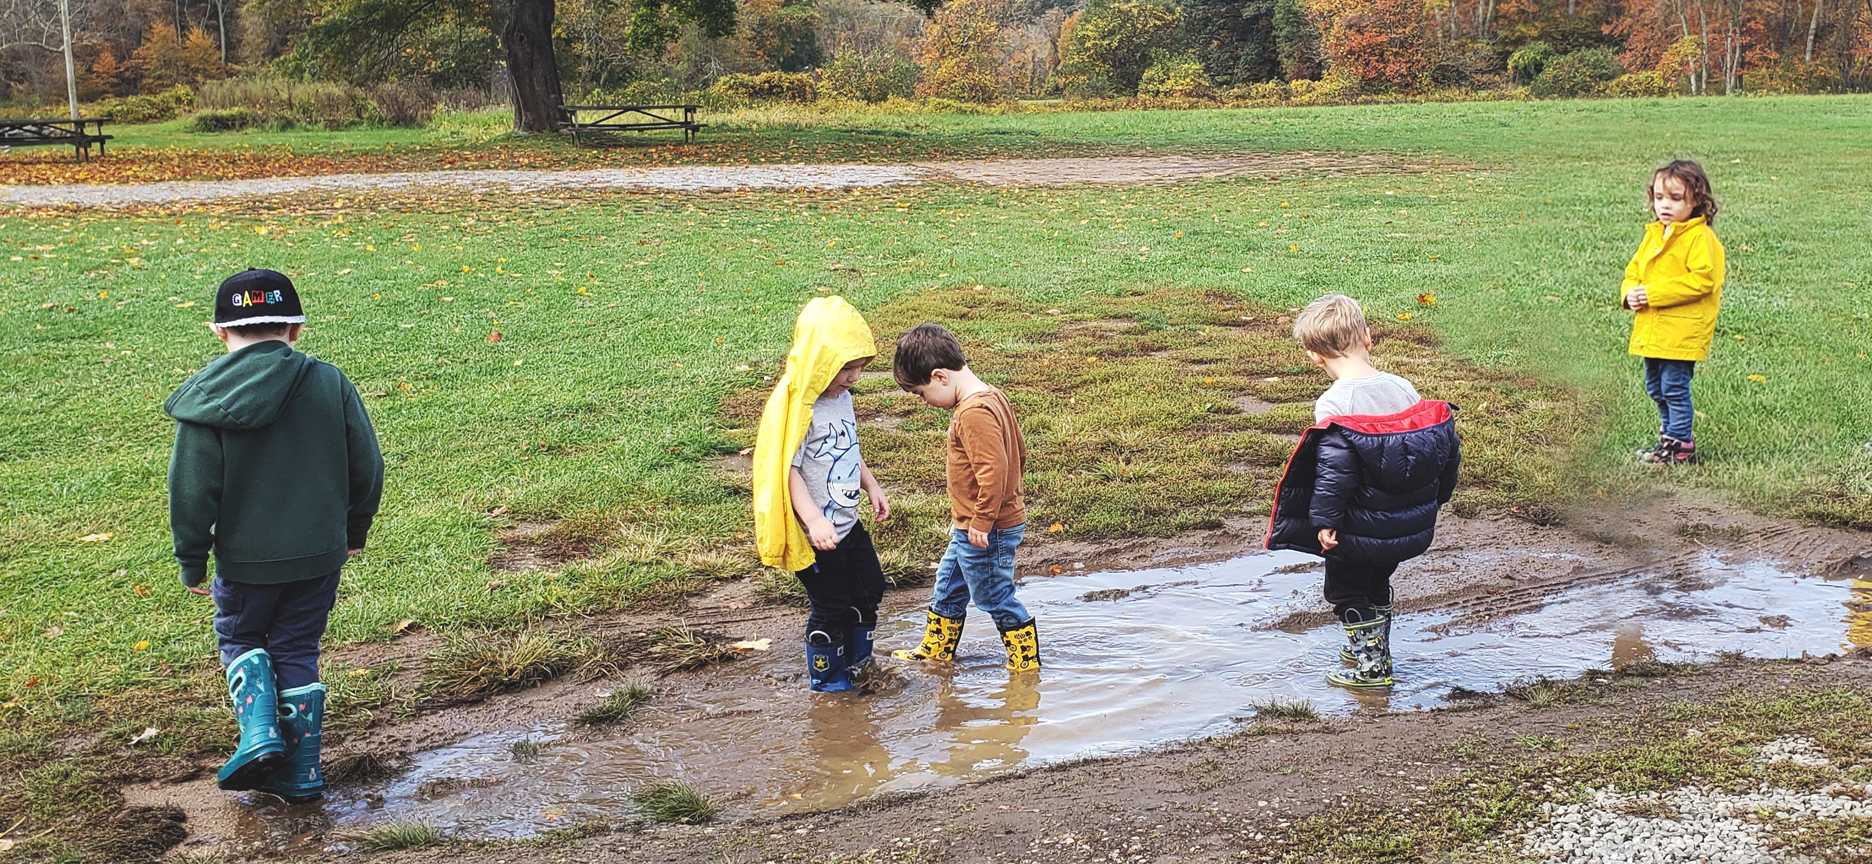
[{"x": 276, "y": 472}]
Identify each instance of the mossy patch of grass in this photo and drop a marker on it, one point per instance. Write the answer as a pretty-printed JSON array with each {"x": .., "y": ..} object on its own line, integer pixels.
[
  {"x": 1286, "y": 710},
  {"x": 474, "y": 665},
  {"x": 358, "y": 768},
  {"x": 674, "y": 801},
  {"x": 679, "y": 648},
  {"x": 399, "y": 835},
  {"x": 621, "y": 705}
]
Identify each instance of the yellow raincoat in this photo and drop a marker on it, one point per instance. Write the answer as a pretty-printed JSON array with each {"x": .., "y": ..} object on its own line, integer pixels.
[
  {"x": 828, "y": 335},
  {"x": 1681, "y": 269}
]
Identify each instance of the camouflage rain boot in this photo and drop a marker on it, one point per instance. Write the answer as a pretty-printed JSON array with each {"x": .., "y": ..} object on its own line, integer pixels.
[
  {"x": 1023, "y": 646},
  {"x": 1371, "y": 653},
  {"x": 302, "y": 717},
  {"x": 940, "y": 636},
  {"x": 256, "y": 709},
  {"x": 1384, "y": 611}
]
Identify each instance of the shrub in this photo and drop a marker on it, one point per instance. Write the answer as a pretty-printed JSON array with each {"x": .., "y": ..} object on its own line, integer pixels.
[
  {"x": 1527, "y": 62},
  {"x": 1275, "y": 91},
  {"x": 167, "y": 105},
  {"x": 961, "y": 54},
  {"x": 406, "y": 103},
  {"x": 1652, "y": 83},
  {"x": 1179, "y": 76},
  {"x": 1581, "y": 73},
  {"x": 873, "y": 77},
  {"x": 284, "y": 102},
  {"x": 768, "y": 87},
  {"x": 223, "y": 120}
]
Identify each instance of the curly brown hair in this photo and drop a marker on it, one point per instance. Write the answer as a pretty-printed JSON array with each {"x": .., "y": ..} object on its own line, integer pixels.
[{"x": 1696, "y": 188}]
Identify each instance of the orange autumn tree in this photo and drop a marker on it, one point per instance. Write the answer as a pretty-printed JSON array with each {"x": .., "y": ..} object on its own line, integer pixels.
[{"x": 1386, "y": 45}]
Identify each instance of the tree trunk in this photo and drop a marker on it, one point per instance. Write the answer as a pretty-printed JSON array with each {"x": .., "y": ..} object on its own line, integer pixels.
[
  {"x": 71, "y": 66},
  {"x": 1812, "y": 25},
  {"x": 221, "y": 25},
  {"x": 530, "y": 66}
]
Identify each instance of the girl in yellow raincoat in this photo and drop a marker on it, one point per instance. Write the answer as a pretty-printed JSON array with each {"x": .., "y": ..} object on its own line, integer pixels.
[
  {"x": 808, "y": 478},
  {"x": 1673, "y": 287}
]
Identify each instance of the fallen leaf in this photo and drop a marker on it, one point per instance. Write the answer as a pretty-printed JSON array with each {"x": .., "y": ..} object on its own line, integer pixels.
[
  {"x": 141, "y": 646},
  {"x": 497, "y": 512},
  {"x": 359, "y": 673},
  {"x": 94, "y": 538},
  {"x": 1404, "y": 316},
  {"x": 147, "y": 733},
  {"x": 1057, "y": 570},
  {"x": 494, "y": 337},
  {"x": 6, "y": 845},
  {"x": 379, "y": 393},
  {"x": 496, "y": 584},
  {"x": 189, "y": 305},
  {"x": 1759, "y": 379},
  {"x": 740, "y": 604},
  {"x": 142, "y": 591},
  {"x": 1055, "y": 528},
  {"x": 404, "y": 627},
  {"x": 1427, "y": 299},
  {"x": 53, "y": 632},
  {"x": 752, "y": 645},
  {"x": 745, "y": 451}
]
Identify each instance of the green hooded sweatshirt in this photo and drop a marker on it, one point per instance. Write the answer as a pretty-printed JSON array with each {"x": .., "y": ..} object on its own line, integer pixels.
[{"x": 276, "y": 468}]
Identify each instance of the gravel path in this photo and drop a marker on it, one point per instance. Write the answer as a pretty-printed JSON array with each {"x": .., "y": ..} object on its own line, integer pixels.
[{"x": 1020, "y": 172}]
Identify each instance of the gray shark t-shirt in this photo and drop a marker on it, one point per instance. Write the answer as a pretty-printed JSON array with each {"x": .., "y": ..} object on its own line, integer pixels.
[{"x": 828, "y": 460}]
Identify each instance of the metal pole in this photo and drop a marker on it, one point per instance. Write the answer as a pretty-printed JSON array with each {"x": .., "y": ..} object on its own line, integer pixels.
[{"x": 71, "y": 67}]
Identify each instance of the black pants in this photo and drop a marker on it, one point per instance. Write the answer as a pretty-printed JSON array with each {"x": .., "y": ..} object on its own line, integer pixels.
[
  {"x": 845, "y": 585},
  {"x": 1354, "y": 587},
  {"x": 286, "y": 618}
]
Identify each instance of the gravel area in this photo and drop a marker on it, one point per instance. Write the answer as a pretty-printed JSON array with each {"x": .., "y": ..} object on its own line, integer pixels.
[
  {"x": 1692, "y": 825},
  {"x": 1017, "y": 172}
]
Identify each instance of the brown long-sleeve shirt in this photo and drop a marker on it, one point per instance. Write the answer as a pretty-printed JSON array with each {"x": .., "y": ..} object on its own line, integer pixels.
[{"x": 986, "y": 458}]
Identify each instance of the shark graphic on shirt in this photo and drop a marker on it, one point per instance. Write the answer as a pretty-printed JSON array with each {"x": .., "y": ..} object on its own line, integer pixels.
[{"x": 842, "y": 486}]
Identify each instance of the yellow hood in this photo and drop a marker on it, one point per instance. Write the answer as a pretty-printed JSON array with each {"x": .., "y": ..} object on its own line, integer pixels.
[{"x": 829, "y": 334}]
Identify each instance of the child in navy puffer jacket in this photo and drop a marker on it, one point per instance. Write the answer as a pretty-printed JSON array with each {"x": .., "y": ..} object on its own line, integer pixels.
[{"x": 1364, "y": 485}]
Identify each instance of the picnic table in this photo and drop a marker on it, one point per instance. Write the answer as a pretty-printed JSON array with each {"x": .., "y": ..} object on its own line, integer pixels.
[
  {"x": 634, "y": 118},
  {"x": 29, "y": 133}
]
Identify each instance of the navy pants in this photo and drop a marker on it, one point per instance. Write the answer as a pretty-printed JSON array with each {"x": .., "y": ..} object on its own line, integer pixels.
[
  {"x": 1354, "y": 587},
  {"x": 286, "y": 618},
  {"x": 845, "y": 585},
  {"x": 1668, "y": 383}
]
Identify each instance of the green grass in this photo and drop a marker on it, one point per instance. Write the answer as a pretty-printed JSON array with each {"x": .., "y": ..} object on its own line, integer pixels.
[
  {"x": 621, "y": 705},
  {"x": 398, "y": 835},
  {"x": 474, "y": 665},
  {"x": 673, "y": 801},
  {"x": 627, "y": 321},
  {"x": 1293, "y": 711}
]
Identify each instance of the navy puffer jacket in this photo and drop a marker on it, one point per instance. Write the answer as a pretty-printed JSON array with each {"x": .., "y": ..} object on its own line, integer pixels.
[{"x": 1378, "y": 480}]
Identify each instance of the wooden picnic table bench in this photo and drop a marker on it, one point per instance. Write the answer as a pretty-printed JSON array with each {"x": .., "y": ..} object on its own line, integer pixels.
[
  {"x": 634, "y": 118},
  {"x": 29, "y": 133}
]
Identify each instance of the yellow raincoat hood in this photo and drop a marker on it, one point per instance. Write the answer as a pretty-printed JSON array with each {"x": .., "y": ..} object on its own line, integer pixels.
[{"x": 829, "y": 334}]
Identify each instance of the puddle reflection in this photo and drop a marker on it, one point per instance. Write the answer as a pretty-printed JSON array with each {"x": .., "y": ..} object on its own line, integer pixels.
[{"x": 1133, "y": 660}]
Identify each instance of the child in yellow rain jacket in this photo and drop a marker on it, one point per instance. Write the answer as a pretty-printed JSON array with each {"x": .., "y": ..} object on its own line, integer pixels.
[
  {"x": 808, "y": 475},
  {"x": 1673, "y": 285}
]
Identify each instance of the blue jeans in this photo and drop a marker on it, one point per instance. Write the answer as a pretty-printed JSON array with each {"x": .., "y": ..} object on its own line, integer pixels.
[
  {"x": 1668, "y": 382},
  {"x": 285, "y": 618},
  {"x": 984, "y": 575}
]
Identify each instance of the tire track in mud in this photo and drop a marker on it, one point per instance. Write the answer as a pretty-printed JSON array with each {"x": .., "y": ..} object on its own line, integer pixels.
[{"x": 1816, "y": 551}]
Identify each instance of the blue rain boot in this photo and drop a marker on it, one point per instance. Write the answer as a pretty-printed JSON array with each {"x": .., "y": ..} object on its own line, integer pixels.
[
  {"x": 825, "y": 664},
  {"x": 302, "y": 714},
  {"x": 256, "y": 709},
  {"x": 858, "y": 645}
]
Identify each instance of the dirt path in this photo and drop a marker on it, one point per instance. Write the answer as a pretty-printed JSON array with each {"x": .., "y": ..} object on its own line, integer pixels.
[{"x": 1029, "y": 172}]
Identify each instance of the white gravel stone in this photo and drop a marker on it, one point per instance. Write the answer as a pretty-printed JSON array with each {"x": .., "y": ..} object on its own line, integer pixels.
[{"x": 1688, "y": 826}]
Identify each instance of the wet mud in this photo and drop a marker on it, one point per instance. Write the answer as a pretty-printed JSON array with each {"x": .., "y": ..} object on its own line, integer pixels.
[{"x": 1137, "y": 659}]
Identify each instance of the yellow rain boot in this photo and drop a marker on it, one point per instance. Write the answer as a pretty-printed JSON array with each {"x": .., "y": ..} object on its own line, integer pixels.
[
  {"x": 1023, "y": 647},
  {"x": 940, "y": 636}
]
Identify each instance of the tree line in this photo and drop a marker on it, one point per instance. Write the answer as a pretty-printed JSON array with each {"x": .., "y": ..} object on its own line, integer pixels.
[{"x": 533, "y": 52}]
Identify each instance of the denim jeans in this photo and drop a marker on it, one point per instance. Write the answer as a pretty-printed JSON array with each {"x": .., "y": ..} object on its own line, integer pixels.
[
  {"x": 984, "y": 575},
  {"x": 285, "y": 618},
  {"x": 1668, "y": 383}
]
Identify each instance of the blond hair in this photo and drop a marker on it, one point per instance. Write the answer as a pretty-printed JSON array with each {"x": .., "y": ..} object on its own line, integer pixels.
[{"x": 1331, "y": 326}]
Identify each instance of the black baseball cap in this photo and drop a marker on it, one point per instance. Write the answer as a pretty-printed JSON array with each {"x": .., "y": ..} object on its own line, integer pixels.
[{"x": 257, "y": 297}]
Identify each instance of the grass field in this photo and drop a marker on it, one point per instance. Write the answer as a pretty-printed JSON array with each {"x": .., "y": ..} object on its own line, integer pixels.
[{"x": 626, "y": 322}]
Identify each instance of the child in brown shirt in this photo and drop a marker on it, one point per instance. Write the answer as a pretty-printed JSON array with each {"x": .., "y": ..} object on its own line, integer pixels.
[{"x": 986, "y": 499}]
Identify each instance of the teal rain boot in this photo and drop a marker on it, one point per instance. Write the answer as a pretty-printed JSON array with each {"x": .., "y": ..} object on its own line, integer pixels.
[
  {"x": 825, "y": 664},
  {"x": 256, "y": 709},
  {"x": 302, "y": 714},
  {"x": 1371, "y": 656}
]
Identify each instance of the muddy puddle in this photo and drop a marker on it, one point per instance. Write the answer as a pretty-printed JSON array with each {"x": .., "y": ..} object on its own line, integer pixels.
[{"x": 1134, "y": 660}]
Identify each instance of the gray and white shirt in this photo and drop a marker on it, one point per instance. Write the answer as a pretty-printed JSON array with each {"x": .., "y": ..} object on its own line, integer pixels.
[
  {"x": 1374, "y": 395},
  {"x": 829, "y": 462}
]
